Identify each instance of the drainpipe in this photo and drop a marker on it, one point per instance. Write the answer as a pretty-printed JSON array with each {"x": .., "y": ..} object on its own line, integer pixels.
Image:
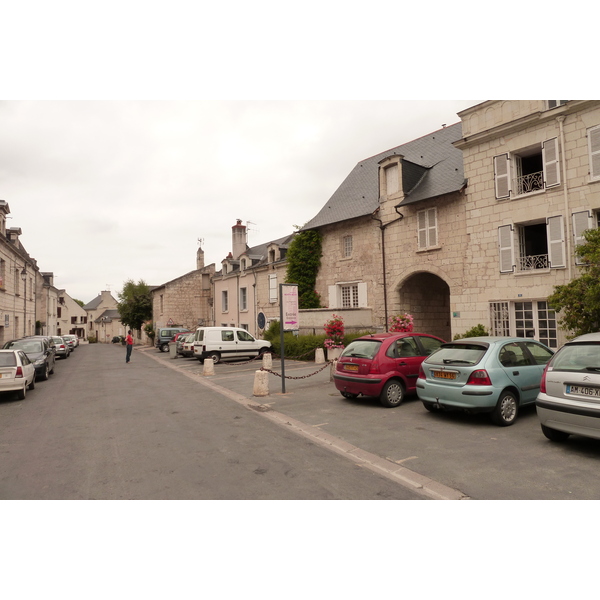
[
  {"x": 560, "y": 120},
  {"x": 382, "y": 227}
]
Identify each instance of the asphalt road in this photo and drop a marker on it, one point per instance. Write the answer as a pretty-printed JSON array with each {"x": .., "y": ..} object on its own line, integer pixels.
[{"x": 101, "y": 429}]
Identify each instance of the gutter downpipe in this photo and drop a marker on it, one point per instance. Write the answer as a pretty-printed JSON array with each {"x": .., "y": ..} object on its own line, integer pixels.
[
  {"x": 382, "y": 227},
  {"x": 560, "y": 120}
]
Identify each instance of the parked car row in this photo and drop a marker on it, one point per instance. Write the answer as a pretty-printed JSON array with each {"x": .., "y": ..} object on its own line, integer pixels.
[
  {"x": 27, "y": 360},
  {"x": 495, "y": 375}
]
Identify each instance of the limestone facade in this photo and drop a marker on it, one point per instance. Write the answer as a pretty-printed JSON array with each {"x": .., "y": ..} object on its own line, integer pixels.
[{"x": 533, "y": 170}]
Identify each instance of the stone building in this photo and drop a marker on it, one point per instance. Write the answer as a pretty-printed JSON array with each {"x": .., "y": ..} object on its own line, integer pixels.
[
  {"x": 394, "y": 238},
  {"x": 185, "y": 301},
  {"x": 103, "y": 321},
  {"x": 533, "y": 170},
  {"x": 71, "y": 317},
  {"x": 47, "y": 304},
  {"x": 246, "y": 290}
]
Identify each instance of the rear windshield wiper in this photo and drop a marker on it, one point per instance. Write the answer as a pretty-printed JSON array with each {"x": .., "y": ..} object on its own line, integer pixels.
[
  {"x": 595, "y": 369},
  {"x": 449, "y": 361}
]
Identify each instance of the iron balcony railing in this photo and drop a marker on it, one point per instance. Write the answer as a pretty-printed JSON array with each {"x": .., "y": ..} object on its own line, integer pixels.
[
  {"x": 528, "y": 183},
  {"x": 530, "y": 263}
]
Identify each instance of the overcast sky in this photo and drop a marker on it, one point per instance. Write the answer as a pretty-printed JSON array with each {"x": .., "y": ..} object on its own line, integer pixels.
[{"x": 106, "y": 191}]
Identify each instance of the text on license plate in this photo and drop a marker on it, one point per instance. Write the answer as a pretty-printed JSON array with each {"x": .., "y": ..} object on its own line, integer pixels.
[
  {"x": 353, "y": 368},
  {"x": 583, "y": 390},
  {"x": 443, "y": 375}
]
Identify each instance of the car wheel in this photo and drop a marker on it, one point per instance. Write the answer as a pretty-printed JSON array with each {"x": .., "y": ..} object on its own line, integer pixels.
[
  {"x": 164, "y": 347},
  {"x": 349, "y": 395},
  {"x": 46, "y": 372},
  {"x": 51, "y": 371},
  {"x": 32, "y": 384},
  {"x": 506, "y": 410},
  {"x": 216, "y": 357},
  {"x": 22, "y": 393},
  {"x": 392, "y": 394},
  {"x": 554, "y": 435}
]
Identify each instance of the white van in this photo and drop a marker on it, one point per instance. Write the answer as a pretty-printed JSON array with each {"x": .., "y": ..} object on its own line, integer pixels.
[{"x": 227, "y": 342}]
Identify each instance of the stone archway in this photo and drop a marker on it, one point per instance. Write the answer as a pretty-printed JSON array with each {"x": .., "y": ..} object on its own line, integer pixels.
[{"x": 427, "y": 298}]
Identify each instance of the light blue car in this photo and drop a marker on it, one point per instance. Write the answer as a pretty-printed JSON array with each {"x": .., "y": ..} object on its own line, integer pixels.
[{"x": 484, "y": 374}]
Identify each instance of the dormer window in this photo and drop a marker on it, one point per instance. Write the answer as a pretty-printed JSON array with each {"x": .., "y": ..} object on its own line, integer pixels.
[
  {"x": 391, "y": 180},
  {"x": 390, "y": 183},
  {"x": 243, "y": 264},
  {"x": 272, "y": 255}
]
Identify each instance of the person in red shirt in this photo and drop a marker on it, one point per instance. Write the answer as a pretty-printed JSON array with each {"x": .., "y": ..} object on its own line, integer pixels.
[{"x": 129, "y": 344}]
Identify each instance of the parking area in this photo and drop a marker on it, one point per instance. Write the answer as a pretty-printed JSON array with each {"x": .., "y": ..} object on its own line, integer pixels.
[{"x": 465, "y": 452}]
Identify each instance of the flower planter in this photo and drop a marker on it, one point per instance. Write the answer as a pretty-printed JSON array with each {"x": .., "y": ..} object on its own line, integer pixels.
[{"x": 333, "y": 353}]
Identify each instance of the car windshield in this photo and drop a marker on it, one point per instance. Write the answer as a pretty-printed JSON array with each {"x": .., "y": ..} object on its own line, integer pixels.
[
  {"x": 458, "y": 354},
  {"x": 578, "y": 357},
  {"x": 27, "y": 346},
  {"x": 8, "y": 359},
  {"x": 362, "y": 348}
]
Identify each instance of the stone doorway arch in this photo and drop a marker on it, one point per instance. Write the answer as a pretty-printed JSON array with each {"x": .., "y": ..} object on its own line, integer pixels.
[{"x": 427, "y": 298}]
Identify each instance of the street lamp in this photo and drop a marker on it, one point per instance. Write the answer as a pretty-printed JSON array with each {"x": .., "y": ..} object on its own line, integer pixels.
[{"x": 24, "y": 278}]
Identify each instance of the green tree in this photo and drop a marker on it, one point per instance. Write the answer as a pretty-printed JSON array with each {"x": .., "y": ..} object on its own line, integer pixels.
[
  {"x": 579, "y": 300},
  {"x": 303, "y": 262},
  {"x": 135, "y": 304}
]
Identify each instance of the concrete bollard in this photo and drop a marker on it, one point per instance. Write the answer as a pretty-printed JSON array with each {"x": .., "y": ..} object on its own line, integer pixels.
[
  {"x": 332, "y": 369},
  {"x": 209, "y": 367},
  {"x": 267, "y": 361},
  {"x": 319, "y": 356},
  {"x": 261, "y": 383}
]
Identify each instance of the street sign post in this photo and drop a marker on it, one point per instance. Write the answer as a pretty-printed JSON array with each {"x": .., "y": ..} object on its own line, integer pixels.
[{"x": 288, "y": 318}]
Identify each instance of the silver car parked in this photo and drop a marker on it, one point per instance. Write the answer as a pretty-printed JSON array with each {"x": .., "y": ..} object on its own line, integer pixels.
[{"x": 569, "y": 398}]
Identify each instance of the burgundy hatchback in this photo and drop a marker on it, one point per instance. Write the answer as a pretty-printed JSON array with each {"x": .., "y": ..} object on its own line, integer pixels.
[{"x": 384, "y": 365}]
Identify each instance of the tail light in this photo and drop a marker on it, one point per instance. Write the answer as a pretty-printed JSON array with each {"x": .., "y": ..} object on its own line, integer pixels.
[
  {"x": 479, "y": 377},
  {"x": 374, "y": 368},
  {"x": 543, "y": 381},
  {"x": 19, "y": 372},
  {"x": 421, "y": 372}
]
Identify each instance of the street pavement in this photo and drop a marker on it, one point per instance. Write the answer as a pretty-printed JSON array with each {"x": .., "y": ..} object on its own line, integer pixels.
[{"x": 442, "y": 456}]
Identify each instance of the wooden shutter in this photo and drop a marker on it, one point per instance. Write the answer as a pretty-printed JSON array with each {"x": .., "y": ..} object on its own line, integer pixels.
[
  {"x": 502, "y": 176},
  {"x": 432, "y": 227},
  {"x": 422, "y": 229},
  {"x": 272, "y": 288},
  {"x": 506, "y": 248},
  {"x": 362, "y": 295},
  {"x": 594, "y": 144},
  {"x": 556, "y": 241},
  {"x": 333, "y": 296},
  {"x": 581, "y": 222},
  {"x": 551, "y": 164}
]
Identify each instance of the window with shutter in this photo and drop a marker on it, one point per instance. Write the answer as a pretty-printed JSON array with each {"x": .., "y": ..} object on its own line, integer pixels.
[
  {"x": 556, "y": 241},
  {"x": 594, "y": 146},
  {"x": 506, "y": 249},
  {"x": 272, "y": 288},
  {"x": 550, "y": 159},
  {"x": 582, "y": 221}
]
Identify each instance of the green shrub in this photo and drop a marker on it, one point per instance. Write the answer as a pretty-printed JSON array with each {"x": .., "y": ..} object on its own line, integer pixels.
[
  {"x": 92, "y": 339},
  {"x": 477, "y": 331}
]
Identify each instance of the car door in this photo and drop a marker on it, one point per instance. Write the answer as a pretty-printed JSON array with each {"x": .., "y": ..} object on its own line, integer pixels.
[
  {"x": 521, "y": 369},
  {"x": 246, "y": 344},
  {"x": 407, "y": 359}
]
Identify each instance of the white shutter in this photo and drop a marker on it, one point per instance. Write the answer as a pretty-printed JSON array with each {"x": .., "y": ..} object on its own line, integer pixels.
[
  {"x": 422, "y": 229},
  {"x": 581, "y": 222},
  {"x": 594, "y": 145},
  {"x": 333, "y": 296},
  {"x": 502, "y": 176},
  {"x": 362, "y": 295},
  {"x": 432, "y": 227},
  {"x": 551, "y": 164},
  {"x": 272, "y": 288},
  {"x": 506, "y": 248},
  {"x": 556, "y": 241}
]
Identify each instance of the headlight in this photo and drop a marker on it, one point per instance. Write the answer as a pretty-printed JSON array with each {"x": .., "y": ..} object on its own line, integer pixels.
[{"x": 40, "y": 361}]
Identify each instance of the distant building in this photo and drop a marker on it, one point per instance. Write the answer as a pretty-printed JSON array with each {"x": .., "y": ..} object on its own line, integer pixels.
[{"x": 103, "y": 318}]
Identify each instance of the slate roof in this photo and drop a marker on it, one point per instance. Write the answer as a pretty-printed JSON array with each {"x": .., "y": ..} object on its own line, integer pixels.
[
  {"x": 431, "y": 167},
  {"x": 108, "y": 315}
]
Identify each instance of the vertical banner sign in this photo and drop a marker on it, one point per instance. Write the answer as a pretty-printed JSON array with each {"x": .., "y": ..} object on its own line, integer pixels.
[{"x": 288, "y": 318}]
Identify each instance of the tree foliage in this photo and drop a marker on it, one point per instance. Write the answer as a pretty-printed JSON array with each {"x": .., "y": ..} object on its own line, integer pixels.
[
  {"x": 135, "y": 304},
  {"x": 579, "y": 300},
  {"x": 303, "y": 262}
]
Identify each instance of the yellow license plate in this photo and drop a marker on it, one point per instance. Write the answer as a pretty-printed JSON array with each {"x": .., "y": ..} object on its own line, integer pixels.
[
  {"x": 443, "y": 375},
  {"x": 352, "y": 368}
]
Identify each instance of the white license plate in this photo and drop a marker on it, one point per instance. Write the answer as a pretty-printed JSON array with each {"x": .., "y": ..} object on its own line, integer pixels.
[{"x": 581, "y": 390}]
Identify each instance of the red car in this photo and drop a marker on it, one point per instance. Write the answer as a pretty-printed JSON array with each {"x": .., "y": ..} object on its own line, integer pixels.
[{"x": 384, "y": 365}]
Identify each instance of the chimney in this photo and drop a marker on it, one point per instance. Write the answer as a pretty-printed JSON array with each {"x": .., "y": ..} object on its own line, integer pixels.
[
  {"x": 238, "y": 239},
  {"x": 200, "y": 259},
  {"x": 13, "y": 234}
]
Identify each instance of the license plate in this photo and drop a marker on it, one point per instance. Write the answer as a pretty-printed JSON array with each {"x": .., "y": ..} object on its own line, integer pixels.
[
  {"x": 352, "y": 368},
  {"x": 581, "y": 390},
  {"x": 443, "y": 375}
]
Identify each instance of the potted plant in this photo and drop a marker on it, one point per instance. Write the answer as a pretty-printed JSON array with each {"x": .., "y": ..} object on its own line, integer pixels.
[
  {"x": 400, "y": 323},
  {"x": 334, "y": 331}
]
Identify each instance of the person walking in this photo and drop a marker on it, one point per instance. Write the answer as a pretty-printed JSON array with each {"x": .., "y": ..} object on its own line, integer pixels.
[{"x": 129, "y": 344}]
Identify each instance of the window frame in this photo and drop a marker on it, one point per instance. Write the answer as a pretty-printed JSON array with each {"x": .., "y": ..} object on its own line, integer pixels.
[
  {"x": 427, "y": 234},
  {"x": 593, "y": 135},
  {"x": 224, "y": 301}
]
